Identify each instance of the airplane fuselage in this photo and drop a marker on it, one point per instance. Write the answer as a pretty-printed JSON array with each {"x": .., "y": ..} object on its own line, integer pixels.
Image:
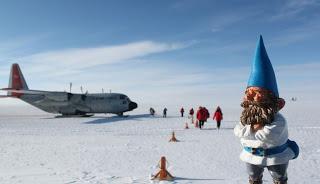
[{"x": 80, "y": 104}]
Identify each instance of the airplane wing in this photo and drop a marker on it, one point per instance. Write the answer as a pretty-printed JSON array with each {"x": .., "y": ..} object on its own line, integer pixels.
[
  {"x": 51, "y": 97},
  {"x": 23, "y": 91}
]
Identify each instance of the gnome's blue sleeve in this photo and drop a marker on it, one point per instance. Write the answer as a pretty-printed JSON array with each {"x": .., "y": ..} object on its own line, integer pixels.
[{"x": 242, "y": 131}]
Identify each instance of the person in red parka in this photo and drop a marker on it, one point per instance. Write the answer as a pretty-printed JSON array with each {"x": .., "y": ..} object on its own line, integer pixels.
[
  {"x": 218, "y": 116},
  {"x": 201, "y": 116}
]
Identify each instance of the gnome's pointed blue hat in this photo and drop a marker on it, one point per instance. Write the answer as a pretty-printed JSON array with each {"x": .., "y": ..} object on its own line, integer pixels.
[{"x": 262, "y": 74}]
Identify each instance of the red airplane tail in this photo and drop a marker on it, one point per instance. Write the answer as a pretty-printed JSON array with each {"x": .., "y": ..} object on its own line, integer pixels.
[{"x": 16, "y": 81}]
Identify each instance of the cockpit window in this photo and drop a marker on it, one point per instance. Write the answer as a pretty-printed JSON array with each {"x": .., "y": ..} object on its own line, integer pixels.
[{"x": 122, "y": 97}]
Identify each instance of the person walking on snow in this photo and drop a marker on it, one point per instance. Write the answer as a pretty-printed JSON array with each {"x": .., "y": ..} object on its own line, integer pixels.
[
  {"x": 191, "y": 112},
  {"x": 218, "y": 116},
  {"x": 152, "y": 111},
  {"x": 165, "y": 112},
  {"x": 181, "y": 111},
  {"x": 201, "y": 116},
  {"x": 262, "y": 130}
]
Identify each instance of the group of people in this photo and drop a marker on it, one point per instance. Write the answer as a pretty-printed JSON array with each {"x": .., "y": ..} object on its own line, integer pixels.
[
  {"x": 202, "y": 115},
  {"x": 153, "y": 112}
]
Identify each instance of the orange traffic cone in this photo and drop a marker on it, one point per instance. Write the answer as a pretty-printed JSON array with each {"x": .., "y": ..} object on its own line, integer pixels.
[
  {"x": 173, "y": 138},
  {"x": 186, "y": 126},
  {"x": 163, "y": 174}
]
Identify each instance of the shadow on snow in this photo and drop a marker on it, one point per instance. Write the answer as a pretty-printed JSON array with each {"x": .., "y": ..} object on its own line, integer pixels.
[
  {"x": 197, "y": 179},
  {"x": 224, "y": 128},
  {"x": 112, "y": 119}
]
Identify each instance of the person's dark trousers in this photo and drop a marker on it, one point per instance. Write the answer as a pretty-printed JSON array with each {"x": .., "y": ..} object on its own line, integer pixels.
[
  {"x": 182, "y": 114},
  {"x": 200, "y": 124},
  {"x": 218, "y": 124}
]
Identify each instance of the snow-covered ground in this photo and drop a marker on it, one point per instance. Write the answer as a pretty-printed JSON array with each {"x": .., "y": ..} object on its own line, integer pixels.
[{"x": 36, "y": 148}]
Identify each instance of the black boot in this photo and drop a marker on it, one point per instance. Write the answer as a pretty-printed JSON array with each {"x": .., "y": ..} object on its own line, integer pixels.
[
  {"x": 255, "y": 182},
  {"x": 279, "y": 182}
]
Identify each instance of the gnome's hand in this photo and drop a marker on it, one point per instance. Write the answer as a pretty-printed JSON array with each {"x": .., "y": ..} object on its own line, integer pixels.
[{"x": 255, "y": 127}]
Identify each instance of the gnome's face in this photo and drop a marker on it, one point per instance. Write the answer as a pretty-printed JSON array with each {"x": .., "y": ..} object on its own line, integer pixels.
[
  {"x": 256, "y": 94},
  {"x": 260, "y": 106}
]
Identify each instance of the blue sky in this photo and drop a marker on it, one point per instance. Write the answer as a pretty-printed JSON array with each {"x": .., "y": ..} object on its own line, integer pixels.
[{"x": 186, "y": 52}]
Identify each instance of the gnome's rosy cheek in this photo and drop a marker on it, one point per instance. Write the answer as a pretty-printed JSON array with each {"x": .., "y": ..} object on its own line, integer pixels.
[
  {"x": 257, "y": 97},
  {"x": 281, "y": 103},
  {"x": 244, "y": 98},
  {"x": 249, "y": 95}
]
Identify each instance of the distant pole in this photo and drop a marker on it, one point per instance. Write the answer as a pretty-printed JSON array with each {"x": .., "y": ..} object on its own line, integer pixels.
[
  {"x": 70, "y": 86},
  {"x": 110, "y": 90},
  {"x": 81, "y": 89},
  {"x": 102, "y": 90}
]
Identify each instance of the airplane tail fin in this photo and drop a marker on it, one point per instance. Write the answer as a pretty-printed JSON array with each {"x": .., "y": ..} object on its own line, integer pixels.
[{"x": 16, "y": 80}]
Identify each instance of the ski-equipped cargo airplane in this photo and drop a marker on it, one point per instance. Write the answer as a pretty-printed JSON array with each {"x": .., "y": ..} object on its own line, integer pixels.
[{"x": 67, "y": 104}]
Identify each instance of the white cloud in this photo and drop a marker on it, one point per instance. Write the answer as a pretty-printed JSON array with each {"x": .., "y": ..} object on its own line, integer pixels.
[
  {"x": 170, "y": 86},
  {"x": 216, "y": 29},
  {"x": 11, "y": 48},
  {"x": 62, "y": 61},
  {"x": 290, "y": 38},
  {"x": 293, "y": 8},
  {"x": 302, "y": 32},
  {"x": 223, "y": 21},
  {"x": 63, "y": 66}
]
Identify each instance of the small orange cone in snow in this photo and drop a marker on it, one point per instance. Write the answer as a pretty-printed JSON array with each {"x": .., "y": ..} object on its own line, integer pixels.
[
  {"x": 163, "y": 174},
  {"x": 186, "y": 126},
  {"x": 173, "y": 138}
]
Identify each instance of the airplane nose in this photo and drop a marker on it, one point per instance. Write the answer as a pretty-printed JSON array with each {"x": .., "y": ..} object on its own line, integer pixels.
[{"x": 132, "y": 105}]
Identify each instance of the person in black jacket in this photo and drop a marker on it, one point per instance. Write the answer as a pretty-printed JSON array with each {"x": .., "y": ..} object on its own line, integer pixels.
[
  {"x": 182, "y": 111},
  {"x": 165, "y": 112}
]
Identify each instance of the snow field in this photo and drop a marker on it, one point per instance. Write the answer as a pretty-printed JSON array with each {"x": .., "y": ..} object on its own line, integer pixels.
[{"x": 37, "y": 148}]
